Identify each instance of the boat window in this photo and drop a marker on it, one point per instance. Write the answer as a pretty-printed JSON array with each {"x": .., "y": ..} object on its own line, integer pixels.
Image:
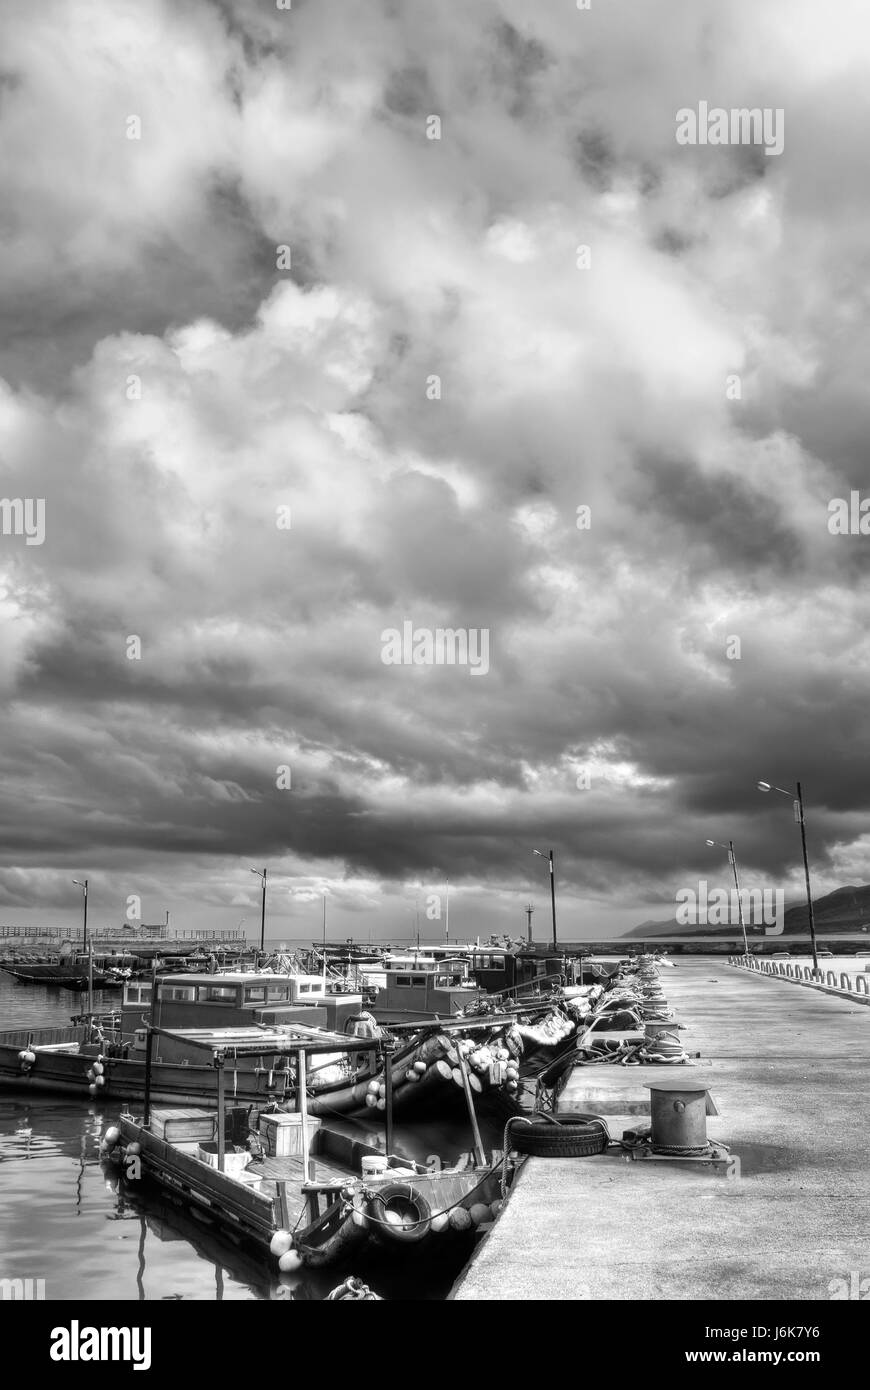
[
  {"x": 405, "y": 984},
  {"x": 418, "y": 979},
  {"x": 277, "y": 993},
  {"x": 496, "y": 962},
  {"x": 186, "y": 992},
  {"x": 450, "y": 981},
  {"x": 255, "y": 994},
  {"x": 218, "y": 994}
]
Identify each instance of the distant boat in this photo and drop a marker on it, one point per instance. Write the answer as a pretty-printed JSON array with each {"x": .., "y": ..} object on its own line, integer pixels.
[{"x": 71, "y": 972}]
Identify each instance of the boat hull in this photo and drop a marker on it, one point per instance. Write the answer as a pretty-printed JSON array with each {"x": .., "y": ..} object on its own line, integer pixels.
[
  {"x": 60, "y": 977},
  {"x": 462, "y": 1204}
]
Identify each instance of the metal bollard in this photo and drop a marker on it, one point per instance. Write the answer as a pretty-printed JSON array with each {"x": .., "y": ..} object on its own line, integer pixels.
[{"x": 678, "y": 1116}]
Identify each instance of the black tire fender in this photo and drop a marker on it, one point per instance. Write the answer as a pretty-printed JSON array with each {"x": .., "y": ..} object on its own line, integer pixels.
[{"x": 403, "y": 1197}]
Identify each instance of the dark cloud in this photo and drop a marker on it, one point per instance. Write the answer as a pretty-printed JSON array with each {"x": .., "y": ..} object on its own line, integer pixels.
[{"x": 311, "y": 388}]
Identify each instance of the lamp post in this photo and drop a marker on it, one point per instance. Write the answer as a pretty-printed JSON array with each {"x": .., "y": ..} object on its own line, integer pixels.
[
  {"x": 549, "y": 856},
  {"x": 83, "y": 884},
  {"x": 732, "y": 860},
  {"x": 798, "y": 800},
  {"x": 261, "y": 873}
]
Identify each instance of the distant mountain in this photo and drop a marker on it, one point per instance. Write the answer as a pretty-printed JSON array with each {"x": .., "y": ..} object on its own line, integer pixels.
[{"x": 844, "y": 910}]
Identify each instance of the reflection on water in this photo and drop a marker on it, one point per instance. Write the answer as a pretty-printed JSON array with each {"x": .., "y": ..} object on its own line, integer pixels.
[{"x": 66, "y": 1216}]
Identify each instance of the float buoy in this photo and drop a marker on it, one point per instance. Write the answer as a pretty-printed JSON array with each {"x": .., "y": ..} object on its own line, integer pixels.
[{"x": 281, "y": 1242}]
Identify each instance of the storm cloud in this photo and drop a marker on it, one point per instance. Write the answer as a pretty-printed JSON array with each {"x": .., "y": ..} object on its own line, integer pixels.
[{"x": 288, "y": 373}]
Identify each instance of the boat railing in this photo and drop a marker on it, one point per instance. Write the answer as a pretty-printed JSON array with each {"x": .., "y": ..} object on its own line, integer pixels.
[
  {"x": 43, "y": 1037},
  {"x": 530, "y": 985}
]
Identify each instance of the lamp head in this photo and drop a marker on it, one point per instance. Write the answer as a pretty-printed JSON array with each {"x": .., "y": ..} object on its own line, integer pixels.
[{"x": 763, "y": 786}]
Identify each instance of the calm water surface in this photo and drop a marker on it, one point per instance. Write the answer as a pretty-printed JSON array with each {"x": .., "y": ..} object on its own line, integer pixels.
[{"x": 64, "y": 1217}]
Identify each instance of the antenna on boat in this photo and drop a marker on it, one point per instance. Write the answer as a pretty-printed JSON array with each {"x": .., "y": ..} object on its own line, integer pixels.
[{"x": 447, "y": 912}]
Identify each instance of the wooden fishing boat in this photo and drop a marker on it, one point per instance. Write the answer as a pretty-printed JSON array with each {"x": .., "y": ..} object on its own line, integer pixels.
[
  {"x": 95, "y": 1062},
  {"x": 71, "y": 972},
  {"x": 298, "y": 1189}
]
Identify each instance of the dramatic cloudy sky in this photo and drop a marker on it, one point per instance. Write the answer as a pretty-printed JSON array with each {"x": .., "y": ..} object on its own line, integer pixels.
[{"x": 266, "y": 387}]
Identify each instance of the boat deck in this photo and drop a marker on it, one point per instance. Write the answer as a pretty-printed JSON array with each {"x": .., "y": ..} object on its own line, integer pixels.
[
  {"x": 286, "y": 1168},
  {"x": 290, "y": 1169}
]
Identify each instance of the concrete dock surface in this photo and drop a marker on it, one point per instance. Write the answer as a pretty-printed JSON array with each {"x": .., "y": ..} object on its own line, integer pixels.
[{"x": 787, "y": 1069}]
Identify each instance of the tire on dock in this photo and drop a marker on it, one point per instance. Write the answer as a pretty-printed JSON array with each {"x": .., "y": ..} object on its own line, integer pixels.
[{"x": 571, "y": 1134}]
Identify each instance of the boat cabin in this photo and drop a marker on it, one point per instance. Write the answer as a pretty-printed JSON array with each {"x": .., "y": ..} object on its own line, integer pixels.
[
  {"x": 234, "y": 999},
  {"x": 439, "y": 989},
  {"x": 498, "y": 970}
]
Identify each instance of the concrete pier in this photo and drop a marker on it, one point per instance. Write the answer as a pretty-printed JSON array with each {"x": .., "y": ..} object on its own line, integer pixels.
[{"x": 787, "y": 1068}]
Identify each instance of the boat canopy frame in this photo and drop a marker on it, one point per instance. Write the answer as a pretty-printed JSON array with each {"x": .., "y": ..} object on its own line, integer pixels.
[{"x": 258, "y": 1040}]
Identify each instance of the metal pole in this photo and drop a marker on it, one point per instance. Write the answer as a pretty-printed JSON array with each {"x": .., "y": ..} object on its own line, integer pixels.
[
  {"x": 447, "y": 922},
  {"x": 388, "y": 1111},
  {"x": 479, "y": 1151},
  {"x": 733, "y": 857},
  {"x": 90, "y": 977},
  {"x": 85, "y": 928},
  {"x": 263, "y": 915},
  {"x": 807, "y": 877},
  {"x": 149, "y": 1053},
  {"x": 553, "y": 898},
  {"x": 302, "y": 1107},
  {"x": 221, "y": 1101}
]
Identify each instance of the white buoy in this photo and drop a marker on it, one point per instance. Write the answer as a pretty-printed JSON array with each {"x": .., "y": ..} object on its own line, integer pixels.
[
  {"x": 290, "y": 1261},
  {"x": 111, "y": 1137},
  {"x": 281, "y": 1242}
]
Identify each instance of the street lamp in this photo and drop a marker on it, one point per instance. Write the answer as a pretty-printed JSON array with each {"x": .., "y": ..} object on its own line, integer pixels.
[
  {"x": 798, "y": 800},
  {"x": 261, "y": 873},
  {"x": 732, "y": 860},
  {"x": 83, "y": 884},
  {"x": 549, "y": 856}
]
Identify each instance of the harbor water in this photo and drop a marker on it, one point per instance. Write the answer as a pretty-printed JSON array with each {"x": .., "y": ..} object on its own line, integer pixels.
[{"x": 64, "y": 1219}]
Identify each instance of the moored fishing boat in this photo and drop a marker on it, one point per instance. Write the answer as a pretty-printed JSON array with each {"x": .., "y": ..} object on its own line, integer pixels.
[
  {"x": 95, "y": 1062},
  {"x": 70, "y": 970},
  {"x": 264, "y": 1175}
]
